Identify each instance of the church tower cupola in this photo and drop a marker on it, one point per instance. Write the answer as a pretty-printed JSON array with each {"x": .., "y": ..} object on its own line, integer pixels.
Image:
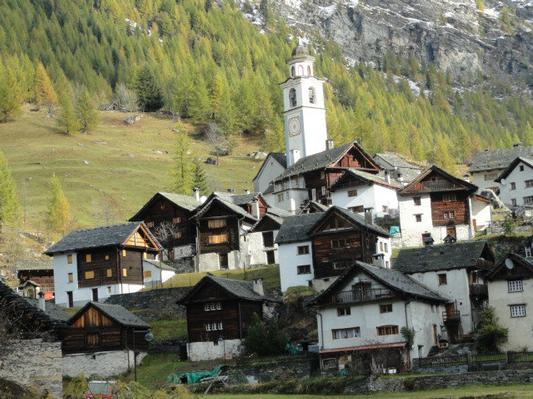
[{"x": 303, "y": 107}]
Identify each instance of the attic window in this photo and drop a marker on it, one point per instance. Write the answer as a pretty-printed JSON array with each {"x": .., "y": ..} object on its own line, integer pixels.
[
  {"x": 448, "y": 197},
  {"x": 216, "y": 223}
]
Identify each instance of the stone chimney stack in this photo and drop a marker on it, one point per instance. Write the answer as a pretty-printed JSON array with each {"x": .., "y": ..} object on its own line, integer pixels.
[
  {"x": 369, "y": 216},
  {"x": 196, "y": 194},
  {"x": 258, "y": 286},
  {"x": 329, "y": 144},
  {"x": 255, "y": 209}
]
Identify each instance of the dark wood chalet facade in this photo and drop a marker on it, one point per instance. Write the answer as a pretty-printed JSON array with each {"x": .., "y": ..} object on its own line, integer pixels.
[
  {"x": 167, "y": 215},
  {"x": 222, "y": 309},
  {"x": 36, "y": 277},
  {"x": 101, "y": 327},
  {"x": 340, "y": 238}
]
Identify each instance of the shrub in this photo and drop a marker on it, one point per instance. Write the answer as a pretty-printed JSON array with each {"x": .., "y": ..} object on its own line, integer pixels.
[
  {"x": 489, "y": 333},
  {"x": 265, "y": 338}
]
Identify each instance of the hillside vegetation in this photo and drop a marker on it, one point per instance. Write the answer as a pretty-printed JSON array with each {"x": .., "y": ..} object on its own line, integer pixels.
[{"x": 203, "y": 60}]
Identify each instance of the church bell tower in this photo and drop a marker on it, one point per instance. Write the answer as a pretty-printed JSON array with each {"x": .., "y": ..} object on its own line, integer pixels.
[{"x": 303, "y": 108}]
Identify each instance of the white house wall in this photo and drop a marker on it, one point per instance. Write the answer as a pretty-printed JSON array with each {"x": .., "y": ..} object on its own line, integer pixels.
[
  {"x": 369, "y": 196},
  {"x": 422, "y": 317},
  {"x": 289, "y": 260},
  {"x": 61, "y": 284},
  {"x": 521, "y": 191},
  {"x": 411, "y": 229},
  {"x": 211, "y": 261},
  {"x": 252, "y": 244},
  {"x": 485, "y": 179},
  {"x": 482, "y": 213},
  {"x": 99, "y": 364},
  {"x": 225, "y": 349},
  {"x": 520, "y": 328},
  {"x": 270, "y": 170}
]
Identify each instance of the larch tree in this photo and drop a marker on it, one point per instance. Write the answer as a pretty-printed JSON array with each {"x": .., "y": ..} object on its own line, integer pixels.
[
  {"x": 44, "y": 93},
  {"x": 183, "y": 164},
  {"x": 67, "y": 120},
  {"x": 86, "y": 111},
  {"x": 59, "y": 215},
  {"x": 9, "y": 205},
  {"x": 11, "y": 93},
  {"x": 148, "y": 90},
  {"x": 199, "y": 179}
]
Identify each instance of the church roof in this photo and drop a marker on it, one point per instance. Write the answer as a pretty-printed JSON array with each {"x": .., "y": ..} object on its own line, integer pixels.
[{"x": 301, "y": 50}]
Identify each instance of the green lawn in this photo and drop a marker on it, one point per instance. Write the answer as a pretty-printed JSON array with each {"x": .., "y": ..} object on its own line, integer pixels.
[
  {"x": 168, "y": 329},
  {"x": 110, "y": 173}
]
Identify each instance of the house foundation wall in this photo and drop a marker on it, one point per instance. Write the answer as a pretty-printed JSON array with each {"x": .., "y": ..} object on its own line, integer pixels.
[
  {"x": 225, "y": 349},
  {"x": 99, "y": 364}
]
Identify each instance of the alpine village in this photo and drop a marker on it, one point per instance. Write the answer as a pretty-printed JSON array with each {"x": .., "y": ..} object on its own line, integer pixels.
[{"x": 266, "y": 199}]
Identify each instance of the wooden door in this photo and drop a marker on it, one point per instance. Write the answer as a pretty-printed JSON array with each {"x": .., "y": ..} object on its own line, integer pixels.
[
  {"x": 95, "y": 294},
  {"x": 271, "y": 258},
  {"x": 223, "y": 260},
  {"x": 70, "y": 299}
]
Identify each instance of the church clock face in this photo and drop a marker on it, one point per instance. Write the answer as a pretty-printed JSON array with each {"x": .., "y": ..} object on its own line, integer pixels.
[{"x": 294, "y": 126}]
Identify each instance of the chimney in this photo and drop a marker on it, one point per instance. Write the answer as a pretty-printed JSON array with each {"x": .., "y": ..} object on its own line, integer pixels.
[
  {"x": 41, "y": 302},
  {"x": 329, "y": 144},
  {"x": 295, "y": 156},
  {"x": 196, "y": 194},
  {"x": 387, "y": 177},
  {"x": 258, "y": 286},
  {"x": 369, "y": 216},
  {"x": 378, "y": 260},
  {"x": 255, "y": 209}
]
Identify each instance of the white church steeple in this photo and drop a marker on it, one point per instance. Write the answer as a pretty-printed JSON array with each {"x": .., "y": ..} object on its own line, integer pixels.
[{"x": 303, "y": 108}]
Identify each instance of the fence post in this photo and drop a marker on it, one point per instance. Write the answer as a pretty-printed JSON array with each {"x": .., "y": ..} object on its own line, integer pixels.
[
  {"x": 508, "y": 357},
  {"x": 469, "y": 360}
]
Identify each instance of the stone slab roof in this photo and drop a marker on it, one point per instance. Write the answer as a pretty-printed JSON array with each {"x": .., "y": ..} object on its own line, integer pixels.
[
  {"x": 42, "y": 263},
  {"x": 115, "y": 312},
  {"x": 498, "y": 159},
  {"x": 512, "y": 166},
  {"x": 390, "y": 160},
  {"x": 297, "y": 228},
  {"x": 368, "y": 177},
  {"x": 459, "y": 255},
  {"x": 55, "y": 312}
]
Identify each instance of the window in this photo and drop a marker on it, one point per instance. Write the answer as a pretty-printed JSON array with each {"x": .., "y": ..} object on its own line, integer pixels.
[
  {"x": 88, "y": 258},
  {"x": 109, "y": 273},
  {"x": 212, "y": 306},
  {"x": 124, "y": 252},
  {"x": 448, "y": 197},
  {"x": 303, "y": 269},
  {"x": 344, "y": 311},
  {"x": 528, "y": 200},
  {"x": 89, "y": 275},
  {"x": 385, "y": 247},
  {"x": 216, "y": 223},
  {"x": 449, "y": 215},
  {"x": 70, "y": 278},
  {"x": 292, "y": 71},
  {"x": 162, "y": 205},
  {"x": 418, "y": 218},
  {"x": 521, "y": 168},
  {"x": 357, "y": 209},
  {"x": 178, "y": 235},
  {"x": 528, "y": 251},
  {"x": 387, "y": 308},
  {"x": 214, "y": 326},
  {"x": 352, "y": 193},
  {"x": 381, "y": 246},
  {"x": 346, "y": 333},
  {"x": 443, "y": 279},
  {"x": 106, "y": 257},
  {"x": 336, "y": 244},
  {"x": 309, "y": 73},
  {"x": 312, "y": 95},
  {"x": 385, "y": 208},
  {"x": 147, "y": 274},
  {"x": 387, "y": 264},
  {"x": 218, "y": 238},
  {"x": 387, "y": 330},
  {"x": 513, "y": 185},
  {"x": 303, "y": 249},
  {"x": 280, "y": 197},
  {"x": 518, "y": 310},
  {"x": 513, "y": 201},
  {"x": 176, "y": 220},
  {"x": 292, "y": 97},
  {"x": 69, "y": 259},
  {"x": 323, "y": 190},
  {"x": 417, "y": 200},
  {"x": 529, "y": 183},
  {"x": 124, "y": 272},
  {"x": 342, "y": 264},
  {"x": 515, "y": 286},
  {"x": 109, "y": 290}
]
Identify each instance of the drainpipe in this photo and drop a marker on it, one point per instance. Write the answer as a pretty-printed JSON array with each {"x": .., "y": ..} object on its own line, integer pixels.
[
  {"x": 407, "y": 326},
  {"x": 321, "y": 330}
]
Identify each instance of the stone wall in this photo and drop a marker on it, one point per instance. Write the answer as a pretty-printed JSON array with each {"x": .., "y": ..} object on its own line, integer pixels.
[
  {"x": 34, "y": 363},
  {"x": 100, "y": 364},
  {"x": 159, "y": 304}
]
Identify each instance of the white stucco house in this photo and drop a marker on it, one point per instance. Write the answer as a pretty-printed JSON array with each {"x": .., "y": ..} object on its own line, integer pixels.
[
  {"x": 273, "y": 166},
  {"x": 516, "y": 183},
  {"x": 510, "y": 288},
  {"x": 156, "y": 272},
  {"x": 455, "y": 271},
  {"x": 361, "y": 315}
]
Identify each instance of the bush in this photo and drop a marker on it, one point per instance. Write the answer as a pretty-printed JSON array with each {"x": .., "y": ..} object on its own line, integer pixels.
[
  {"x": 265, "y": 338},
  {"x": 489, "y": 333}
]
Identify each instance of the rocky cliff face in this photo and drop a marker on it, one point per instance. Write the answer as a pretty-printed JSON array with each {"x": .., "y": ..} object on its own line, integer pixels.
[{"x": 467, "y": 39}]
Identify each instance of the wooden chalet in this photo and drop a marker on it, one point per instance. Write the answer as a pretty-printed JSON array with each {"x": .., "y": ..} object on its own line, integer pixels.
[
  {"x": 167, "y": 215},
  {"x": 36, "y": 276},
  {"x": 99, "y": 327},
  {"x": 320, "y": 171},
  {"x": 341, "y": 237}
]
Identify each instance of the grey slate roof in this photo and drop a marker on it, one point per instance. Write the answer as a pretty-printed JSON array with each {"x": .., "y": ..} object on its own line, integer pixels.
[
  {"x": 185, "y": 201},
  {"x": 94, "y": 238},
  {"x": 117, "y": 313},
  {"x": 53, "y": 311},
  {"x": 228, "y": 203},
  {"x": 272, "y": 210},
  {"x": 498, "y": 159},
  {"x": 368, "y": 177},
  {"x": 316, "y": 161},
  {"x": 459, "y": 255},
  {"x": 281, "y": 157},
  {"x": 159, "y": 264},
  {"x": 512, "y": 166},
  {"x": 42, "y": 263},
  {"x": 393, "y": 279},
  {"x": 297, "y": 228},
  {"x": 390, "y": 160},
  {"x": 360, "y": 220}
]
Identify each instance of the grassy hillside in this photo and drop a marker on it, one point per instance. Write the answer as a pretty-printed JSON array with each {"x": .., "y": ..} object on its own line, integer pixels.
[{"x": 110, "y": 173}]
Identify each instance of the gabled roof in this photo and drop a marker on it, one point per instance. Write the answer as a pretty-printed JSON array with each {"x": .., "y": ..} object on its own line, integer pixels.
[
  {"x": 498, "y": 159},
  {"x": 241, "y": 289},
  {"x": 117, "y": 313},
  {"x": 458, "y": 184},
  {"x": 512, "y": 166},
  {"x": 42, "y": 263},
  {"x": 392, "y": 160},
  {"x": 186, "y": 202},
  {"x": 323, "y": 160},
  {"x": 365, "y": 177},
  {"x": 106, "y": 236},
  {"x": 392, "y": 279},
  {"x": 459, "y": 255},
  {"x": 312, "y": 207},
  {"x": 505, "y": 268},
  {"x": 297, "y": 228},
  {"x": 352, "y": 218},
  {"x": 282, "y": 213},
  {"x": 159, "y": 264},
  {"x": 231, "y": 206},
  {"x": 279, "y": 157}
]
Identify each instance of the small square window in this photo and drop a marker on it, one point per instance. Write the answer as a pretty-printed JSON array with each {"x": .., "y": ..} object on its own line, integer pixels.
[
  {"x": 147, "y": 274},
  {"x": 352, "y": 193},
  {"x": 515, "y": 286},
  {"x": 124, "y": 252},
  {"x": 109, "y": 273},
  {"x": 124, "y": 272},
  {"x": 418, "y": 218},
  {"x": 513, "y": 201},
  {"x": 417, "y": 200},
  {"x": 521, "y": 168},
  {"x": 89, "y": 275},
  {"x": 106, "y": 257},
  {"x": 344, "y": 311},
  {"x": 88, "y": 258},
  {"x": 70, "y": 278},
  {"x": 386, "y": 308},
  {"x": 303, "y": 250},
  {"x": 513, "y": 185},
  {"x": 176, "y": 220},
  {"x": 69, "y": 259},
  {"x": 303, "y": 269},
  {"x": 518, "y": 310},
  {"x": 448, "y": 197},
  {"x": 443, "y": 279}
]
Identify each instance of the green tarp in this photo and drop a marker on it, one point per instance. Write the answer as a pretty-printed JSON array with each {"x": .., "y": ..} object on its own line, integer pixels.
[{"x": 193, "y": 377}]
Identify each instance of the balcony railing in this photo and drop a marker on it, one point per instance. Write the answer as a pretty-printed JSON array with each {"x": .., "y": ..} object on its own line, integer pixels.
[
  {"x": 362, "y": 295},
  {"x": 451, "y": 316}
]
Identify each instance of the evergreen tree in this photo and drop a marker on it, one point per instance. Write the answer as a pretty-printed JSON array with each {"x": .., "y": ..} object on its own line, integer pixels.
[
  {"x": 442, "y": 157},
  {"x": 86, "y": 111},
  {"x": 148, "y": 90},
  {"x": 9, "y": 205},
  {"x": 67, "y": 120},
  {"x": 44, "y": 93},
  {"x": 199, "y": 180},
  {"x": 59, "y": 216},
  {"x": 10, "y": 92},
  {"x": 183, "y": 169}
]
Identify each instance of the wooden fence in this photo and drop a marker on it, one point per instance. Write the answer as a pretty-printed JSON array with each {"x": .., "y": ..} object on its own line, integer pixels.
[{"x": 474, "y": 360}]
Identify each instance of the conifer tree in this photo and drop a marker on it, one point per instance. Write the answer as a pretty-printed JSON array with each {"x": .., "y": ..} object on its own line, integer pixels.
[
  {"x": 86, "y": 111},
  {"x": 199, "y": 180},
  {"x": 43, "y": 90},
  {"x": 59, "y": 216},
  {"x": 183, "y": 168},
  {"x": 442, "y": 157},
  {"x": 148, "y": 90},
  {"x": 67, "y": 120},
  {"x": 9, "y": 205},
  {"x": 10, "y": 92}
]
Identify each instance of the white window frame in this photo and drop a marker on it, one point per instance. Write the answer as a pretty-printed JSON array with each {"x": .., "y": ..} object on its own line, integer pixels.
[
  {"x": 518, "y": 310},
  {"x": 515, "y": 286}
]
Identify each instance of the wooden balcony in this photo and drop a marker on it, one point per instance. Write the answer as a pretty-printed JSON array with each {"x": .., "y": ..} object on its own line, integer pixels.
[
  {"x": 355, "y": 296},
  {"x": 451, "y": 316},
  {"x": 479, "y": 291}
]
